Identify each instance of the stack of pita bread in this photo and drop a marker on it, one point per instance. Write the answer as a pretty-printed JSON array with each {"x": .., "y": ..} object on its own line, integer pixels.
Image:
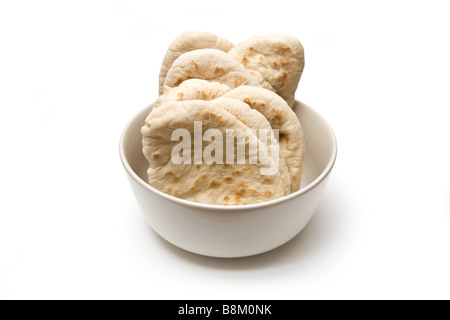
[{"x": 244, "y": 88}]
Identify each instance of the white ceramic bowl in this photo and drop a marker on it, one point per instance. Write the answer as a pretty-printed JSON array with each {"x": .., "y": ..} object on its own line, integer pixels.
[{"x": 233, "y": 231}]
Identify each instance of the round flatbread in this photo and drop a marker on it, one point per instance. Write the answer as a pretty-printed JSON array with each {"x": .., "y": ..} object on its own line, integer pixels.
[
  {"x": 280, "y": 59},
  {"x": 259, "y": 124},
  {"x": 281, "y": 117},
  {"x": 219, "y": 184},
  {"x": 212, "y": 65},
  {"x": 190, "y": 41},
  {"x": 195, "y": 89}
]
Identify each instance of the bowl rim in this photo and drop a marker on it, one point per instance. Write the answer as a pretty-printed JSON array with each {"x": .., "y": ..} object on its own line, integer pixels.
[{"x": 203, "y": 206}]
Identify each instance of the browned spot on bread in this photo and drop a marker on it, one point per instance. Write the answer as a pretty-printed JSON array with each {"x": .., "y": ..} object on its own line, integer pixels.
[
  {"x": 277, "y": 118},
  {"x": 241, "y": 192},
  {"x": 239, "y": 80},
  {"x": 170, "y": 173},
  {"x": 245, "y": 61},
  {"x": 254, "y": 104},
  {"x": 219, "y": 70},
  {"x": 226, "y": 198},
  {"x": 169, "y": 189},
  {"x": 268, "y": 193},
  {"x": 283, "y": 50},
  {"x": 156, "y": 156},
  {"x": 237, "y": 200},
  {"x": 228, "y": 178},
  {"x": 251, "y": 51},
  {"x": 268, "y": 181},
  {"x": 236, "y": 172},
  {"x": 254, "y": 192},
  {"x": 281, "y": 63},
  {"x": 197, "y": 181},
  {"x": 260, "y": 60},
  {"x": 212, "y": 115},
  {"x": 214, "y": 184},
  {"x": 180, "y": 96},
  {"x": 198, "y": 166},
  {"x": 242, "y": 184},
  {"x": 200, "y": 178},
  {"x": 282, "y": 77},
  {"x": 286, "y": 138},
  {"x": 179, "y": 81}
]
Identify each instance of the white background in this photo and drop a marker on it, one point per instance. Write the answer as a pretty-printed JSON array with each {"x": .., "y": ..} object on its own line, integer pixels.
[{"x": 73, "y": 73}]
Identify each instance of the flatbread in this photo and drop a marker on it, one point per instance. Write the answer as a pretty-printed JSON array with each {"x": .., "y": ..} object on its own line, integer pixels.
[
  {"x": 259, "y": 124},
  {"x": 193, "y": 89},
  {"x": 190, "y": 41},
  {"x": 281, "y": 117},
  {"x": 280, "y": 59},
  {"x": 212, "y": 65},
  {"x": 217, "y": 184}
]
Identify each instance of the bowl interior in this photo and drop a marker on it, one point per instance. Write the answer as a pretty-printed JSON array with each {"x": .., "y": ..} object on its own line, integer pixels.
[{"x": 319, "y": 138}]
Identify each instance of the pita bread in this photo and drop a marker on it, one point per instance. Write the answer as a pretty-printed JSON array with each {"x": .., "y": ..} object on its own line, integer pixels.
[
  {"x": 280, "y": 59},
  {"x": 259, "y": 124},
  {"x": 212, "y": 65},
  {"x": 280, "y": 116},
  {"x": 193, "y": 89},
  {"x": 190, "y": 41},
  {"x": 217, "y": 184}
]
